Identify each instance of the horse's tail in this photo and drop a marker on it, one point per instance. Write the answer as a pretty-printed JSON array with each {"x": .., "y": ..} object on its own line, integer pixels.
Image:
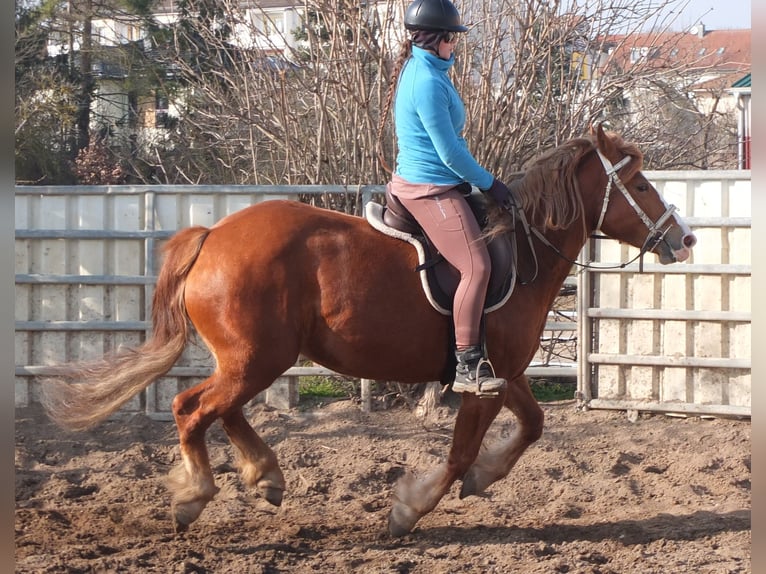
[{"x": 88, "y": 392}]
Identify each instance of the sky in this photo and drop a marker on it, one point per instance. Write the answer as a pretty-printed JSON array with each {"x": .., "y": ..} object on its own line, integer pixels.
[{"x": 714, "y": 14}]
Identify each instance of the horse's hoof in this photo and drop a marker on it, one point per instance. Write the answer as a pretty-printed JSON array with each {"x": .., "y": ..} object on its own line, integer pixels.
[
  {"x": 402, "y": 520},
  {"x": 469, "y": 487},
  {"x": 184, "y": 513},
  {"x": 180, "y": 527},
  {"x": 272, "y": 494},
  {"x": 181, "y": 520}
]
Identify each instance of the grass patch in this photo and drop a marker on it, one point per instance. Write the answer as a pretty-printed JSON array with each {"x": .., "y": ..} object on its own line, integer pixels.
[
  {"x": 547, "y": 391},
  {"x": 319, "y": 389},
  {"x": 326, "y": 387}
]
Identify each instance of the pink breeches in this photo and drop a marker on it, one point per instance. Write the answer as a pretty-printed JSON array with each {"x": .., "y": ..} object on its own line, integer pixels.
[{"x": 452, "y": 227}]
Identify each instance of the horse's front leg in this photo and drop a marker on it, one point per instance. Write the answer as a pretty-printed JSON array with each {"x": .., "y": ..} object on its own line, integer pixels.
[
  {"x": 414, "y": 498},
  {"x": 496, "y": 462}
]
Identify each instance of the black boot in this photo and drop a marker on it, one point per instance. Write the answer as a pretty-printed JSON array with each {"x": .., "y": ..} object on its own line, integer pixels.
[{"x": 474, "y": 374}]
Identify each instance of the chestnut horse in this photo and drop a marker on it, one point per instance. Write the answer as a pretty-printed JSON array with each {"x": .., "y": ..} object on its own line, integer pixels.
[{"x": 282, "y": 279}]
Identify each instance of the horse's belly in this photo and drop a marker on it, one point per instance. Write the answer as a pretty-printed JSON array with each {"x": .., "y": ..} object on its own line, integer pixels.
[{"x": 404, "y": 340}]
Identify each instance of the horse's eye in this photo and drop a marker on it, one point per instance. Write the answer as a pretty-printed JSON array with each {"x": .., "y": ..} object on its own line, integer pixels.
[{"x": 642, "y": 187}]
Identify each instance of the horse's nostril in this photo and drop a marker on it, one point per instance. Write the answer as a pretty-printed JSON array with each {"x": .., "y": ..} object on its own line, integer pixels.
[{"x": 690, "y": 240}]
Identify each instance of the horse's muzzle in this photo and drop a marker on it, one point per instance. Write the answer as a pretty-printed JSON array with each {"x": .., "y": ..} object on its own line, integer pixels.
[{"x": 688, "y": 241}]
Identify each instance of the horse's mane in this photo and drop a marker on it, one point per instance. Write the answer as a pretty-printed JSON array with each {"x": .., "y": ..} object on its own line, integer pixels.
[{"x": 548, "y": 189}]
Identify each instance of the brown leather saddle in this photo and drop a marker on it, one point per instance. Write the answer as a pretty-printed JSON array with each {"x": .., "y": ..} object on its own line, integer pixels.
[{"x": 441, "y": 278}]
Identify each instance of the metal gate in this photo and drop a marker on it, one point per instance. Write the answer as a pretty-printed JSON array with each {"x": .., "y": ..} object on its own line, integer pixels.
[{"x": 85, "y": 270}]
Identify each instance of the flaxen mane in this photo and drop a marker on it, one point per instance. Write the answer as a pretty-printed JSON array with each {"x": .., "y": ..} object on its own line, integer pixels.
[{"x": 548, "y": 189}]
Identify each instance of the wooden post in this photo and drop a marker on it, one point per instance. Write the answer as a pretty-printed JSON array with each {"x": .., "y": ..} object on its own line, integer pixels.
[
  {"x": 366, "y": 395},
  {"x": 283, "y": 393}
]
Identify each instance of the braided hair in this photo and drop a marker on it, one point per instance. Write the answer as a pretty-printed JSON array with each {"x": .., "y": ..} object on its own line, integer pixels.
[{"x": 405, "y": 51}]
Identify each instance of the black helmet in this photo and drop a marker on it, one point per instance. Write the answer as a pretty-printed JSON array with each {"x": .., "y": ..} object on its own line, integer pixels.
[{"x": 433, "y": 15}]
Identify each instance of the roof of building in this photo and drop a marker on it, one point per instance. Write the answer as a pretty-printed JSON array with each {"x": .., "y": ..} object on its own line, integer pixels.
[
  {"x": 743, "y": 82},
  {"x": 722, "y": 51}
]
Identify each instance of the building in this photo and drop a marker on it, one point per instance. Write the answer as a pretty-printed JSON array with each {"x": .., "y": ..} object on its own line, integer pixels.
[
  {"x": 262, "y": 32},
  {"x": 704, "y": 55},
  {"x": 704, "y": 67},
  {"x": 741, "y": 91},
  {"x": 265, "y": 25}
]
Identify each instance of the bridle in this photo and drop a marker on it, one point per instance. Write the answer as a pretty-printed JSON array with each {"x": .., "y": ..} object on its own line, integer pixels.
[{"x": 655, "y": 235}]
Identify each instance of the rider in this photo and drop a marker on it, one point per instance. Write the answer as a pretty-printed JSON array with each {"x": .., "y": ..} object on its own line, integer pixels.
[{"x": 432, "y": 162}]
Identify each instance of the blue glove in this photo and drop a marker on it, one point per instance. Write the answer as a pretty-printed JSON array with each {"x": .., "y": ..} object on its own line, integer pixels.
[{"x": 500, "y": 193}]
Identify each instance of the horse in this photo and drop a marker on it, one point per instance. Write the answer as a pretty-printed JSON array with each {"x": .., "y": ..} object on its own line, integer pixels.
[{"x": 282, "y": 279}]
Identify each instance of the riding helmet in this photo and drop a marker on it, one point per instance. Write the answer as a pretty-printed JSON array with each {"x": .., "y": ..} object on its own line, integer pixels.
[{"x": 433, "y": 15}]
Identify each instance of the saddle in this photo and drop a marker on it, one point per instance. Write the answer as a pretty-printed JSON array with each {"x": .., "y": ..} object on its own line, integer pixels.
[{"x": 438, "y": 278}]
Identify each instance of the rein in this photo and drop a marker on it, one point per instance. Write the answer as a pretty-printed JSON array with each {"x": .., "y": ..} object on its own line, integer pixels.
[{"x": 653, "y": 238}]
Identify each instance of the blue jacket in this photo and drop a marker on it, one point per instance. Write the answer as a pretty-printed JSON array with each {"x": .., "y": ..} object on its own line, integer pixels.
[{"x": 429, "y": 117}]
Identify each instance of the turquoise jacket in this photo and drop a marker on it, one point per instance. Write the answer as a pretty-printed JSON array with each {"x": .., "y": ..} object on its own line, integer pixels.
[{"x": 429, "y": 117}]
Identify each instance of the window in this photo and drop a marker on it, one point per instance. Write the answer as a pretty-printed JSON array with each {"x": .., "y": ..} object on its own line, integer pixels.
[
  {"x": 132, "y": 109},
  {"x": 643, "y": 53},
  {"x": 101, "y": 33},
  {"x": 132, "y": 33},
  {"x": 268, "y": 24},
  {"x": 161, "y": 111}
]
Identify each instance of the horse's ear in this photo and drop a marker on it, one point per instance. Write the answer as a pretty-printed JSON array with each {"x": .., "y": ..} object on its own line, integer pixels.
[{"x": 602, "y": 141}]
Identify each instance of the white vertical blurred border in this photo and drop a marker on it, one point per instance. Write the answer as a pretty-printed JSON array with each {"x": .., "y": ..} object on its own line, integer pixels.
[
  {"x": 758, "y": 447},
  {"x": 7, "y": 474}
]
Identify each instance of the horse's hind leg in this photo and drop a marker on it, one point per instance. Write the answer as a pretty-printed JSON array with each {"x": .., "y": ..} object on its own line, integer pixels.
[
  {"x": 192, "y": 482},
  {"x": 496, "y": 462},
  {"x": 258, "y": 463}
]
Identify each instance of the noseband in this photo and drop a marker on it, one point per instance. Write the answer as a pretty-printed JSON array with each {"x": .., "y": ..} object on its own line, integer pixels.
[{"x": 655, "y": 234}]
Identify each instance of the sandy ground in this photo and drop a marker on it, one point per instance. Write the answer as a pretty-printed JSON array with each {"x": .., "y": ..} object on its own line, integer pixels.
[{"x": 597, "y": 494}]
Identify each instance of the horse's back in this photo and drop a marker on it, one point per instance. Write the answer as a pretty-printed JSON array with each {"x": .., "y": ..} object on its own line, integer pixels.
[
  {"x": 276, "y": 214},
  {"x": 266, "y": 232},
  {"x": 276, "y": 243}
]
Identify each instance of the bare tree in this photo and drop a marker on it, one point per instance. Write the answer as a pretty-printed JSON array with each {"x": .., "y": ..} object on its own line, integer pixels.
[
  {"x": 531, "y": 74},
  {"x": 59, "y": 56},
  {"x": 306, "y": 116},
  {"x": 538, "y": 72},
  {"x": 257, "y": 103}
]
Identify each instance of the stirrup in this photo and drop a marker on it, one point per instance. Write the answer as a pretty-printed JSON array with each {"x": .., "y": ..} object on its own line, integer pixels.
[{"x": 488, "y": 387}]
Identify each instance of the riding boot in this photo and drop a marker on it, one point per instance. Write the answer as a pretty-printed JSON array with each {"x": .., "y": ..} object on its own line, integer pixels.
[{"x": 474, "y": 374}]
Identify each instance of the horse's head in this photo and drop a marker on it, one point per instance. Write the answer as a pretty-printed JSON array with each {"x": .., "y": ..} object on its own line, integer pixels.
[{"x": 632, "y": 210}]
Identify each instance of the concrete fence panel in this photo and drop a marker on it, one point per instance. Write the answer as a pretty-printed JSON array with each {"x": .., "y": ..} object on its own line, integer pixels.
[{"x": 673, "y": 338}]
